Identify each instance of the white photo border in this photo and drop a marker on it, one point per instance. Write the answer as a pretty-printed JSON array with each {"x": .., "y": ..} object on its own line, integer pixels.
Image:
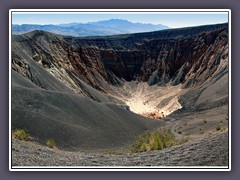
[{"x": 119, "y": 168}]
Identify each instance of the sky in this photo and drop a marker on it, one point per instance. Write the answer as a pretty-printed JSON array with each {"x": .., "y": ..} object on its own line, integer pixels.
[{"x": 172, "y": 20}]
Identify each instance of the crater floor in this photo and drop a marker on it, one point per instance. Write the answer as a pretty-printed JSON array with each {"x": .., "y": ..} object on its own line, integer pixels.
[{"x": 152, "y": 101}]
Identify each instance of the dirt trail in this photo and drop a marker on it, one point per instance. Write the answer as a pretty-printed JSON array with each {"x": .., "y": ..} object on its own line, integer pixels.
[{"x": 174, "y": 130}]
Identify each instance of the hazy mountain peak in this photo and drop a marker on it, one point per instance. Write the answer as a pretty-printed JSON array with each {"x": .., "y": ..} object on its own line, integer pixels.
[{"x": 98, "y": 28}]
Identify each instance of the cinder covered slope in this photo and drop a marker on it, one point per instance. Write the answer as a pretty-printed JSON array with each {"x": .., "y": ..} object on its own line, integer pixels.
[
  {"x": 74, "y": 122},
  {"x": 66, "y": 88}
]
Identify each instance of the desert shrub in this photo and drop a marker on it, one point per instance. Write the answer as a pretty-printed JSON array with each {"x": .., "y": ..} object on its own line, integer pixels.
[
  {"x": 153, "y": 141},
  {"x": 218, "y": 128},
  {"x": 152, "y": 114},
  {"x": 223, "y": 128},
  {"x": 205, "y": 121},
  {"x": 21, "y": 134},
  {"x": 181, "y": 140},
  {"x": 51, "y": 143}
]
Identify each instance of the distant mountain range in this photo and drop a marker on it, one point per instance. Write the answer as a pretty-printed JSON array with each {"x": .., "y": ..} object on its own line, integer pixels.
[{"x": 99, "y": 28}]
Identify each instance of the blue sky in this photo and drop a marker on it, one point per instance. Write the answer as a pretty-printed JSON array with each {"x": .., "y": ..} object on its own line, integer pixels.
[{"x": 171, "y": 20}]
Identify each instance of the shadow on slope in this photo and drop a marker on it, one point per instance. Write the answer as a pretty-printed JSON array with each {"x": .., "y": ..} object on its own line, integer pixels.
[
  {"x": 74, "y": 122},
  {"x": 212, "y": 94}
]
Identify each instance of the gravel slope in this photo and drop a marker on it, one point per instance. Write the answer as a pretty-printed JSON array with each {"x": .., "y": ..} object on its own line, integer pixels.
[
  {"x": 211, "y": 151},
  {"x": 74, "y": 122}
]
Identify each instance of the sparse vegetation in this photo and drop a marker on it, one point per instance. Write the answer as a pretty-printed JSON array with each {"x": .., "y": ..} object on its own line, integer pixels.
[
  {"x": 152, "y": 114},
  {"x": 51, "y": 143},
  {"x": 154, "y": 141},
  {"x": 21, "y": 134},
  {"x": 221, "y": 128},
  {"x": 210, "y": 133},
  {"x": 218, "y": 128},
  {"x": 205, "y": 121},
  {"x": 181, "y": 141}
]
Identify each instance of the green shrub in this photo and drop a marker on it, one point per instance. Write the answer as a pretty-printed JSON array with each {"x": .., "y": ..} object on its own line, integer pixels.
[
  {"x": 21, "y": 134},
  {"x": 181, "y": 141},
  {"x": 51, "y": 143},
  {"x": 153, "y": 141}
]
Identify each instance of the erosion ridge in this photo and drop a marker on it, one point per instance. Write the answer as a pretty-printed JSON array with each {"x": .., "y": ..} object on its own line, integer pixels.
[
  {"x": 190, "y": 64},
  {"x": 181, "y": 58}
]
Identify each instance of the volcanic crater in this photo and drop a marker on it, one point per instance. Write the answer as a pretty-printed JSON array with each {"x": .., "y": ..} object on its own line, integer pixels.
[{"x": 98, "y": 93}]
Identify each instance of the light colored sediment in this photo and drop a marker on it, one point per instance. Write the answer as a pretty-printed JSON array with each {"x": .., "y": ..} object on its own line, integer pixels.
[{"x": 144, "y": 99}]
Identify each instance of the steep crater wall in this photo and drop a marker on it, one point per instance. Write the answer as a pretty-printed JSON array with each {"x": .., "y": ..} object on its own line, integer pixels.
[{"x": 188, "y": 56}]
